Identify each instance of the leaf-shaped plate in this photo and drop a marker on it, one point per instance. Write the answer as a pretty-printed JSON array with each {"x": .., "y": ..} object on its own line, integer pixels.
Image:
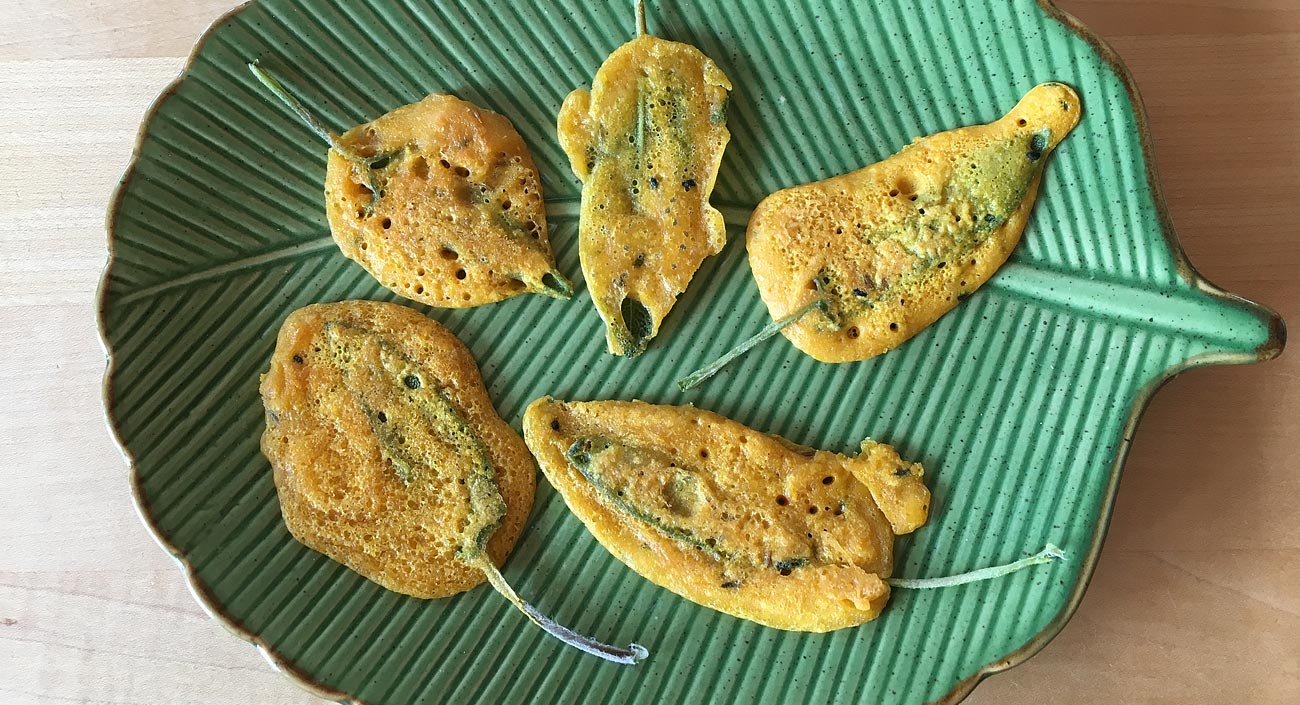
[{"x": 1020, "y": 403}]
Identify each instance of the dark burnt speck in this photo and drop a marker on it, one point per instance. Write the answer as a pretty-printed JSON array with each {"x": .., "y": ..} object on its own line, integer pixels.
[{"x": 1038, "y": 143}]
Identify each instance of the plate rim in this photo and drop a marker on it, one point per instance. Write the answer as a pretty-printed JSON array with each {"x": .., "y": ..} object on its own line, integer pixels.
[{"x": 1269, "y": 349}]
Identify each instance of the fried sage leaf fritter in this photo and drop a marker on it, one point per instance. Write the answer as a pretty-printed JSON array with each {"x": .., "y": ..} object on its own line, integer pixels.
[
  {"x": 439, "y": 200},
  {"x": 646, "y": 142},
  {"x": 729, "y": 517},
  {"x": 389, "y": 458}
]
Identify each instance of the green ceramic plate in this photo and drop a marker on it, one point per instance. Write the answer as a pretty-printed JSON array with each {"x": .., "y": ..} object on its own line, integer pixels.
[{"x": 1020, "y": 403}]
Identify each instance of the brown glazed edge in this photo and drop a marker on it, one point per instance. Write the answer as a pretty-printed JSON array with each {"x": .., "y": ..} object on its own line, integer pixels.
[{"x": 200, "y": 590}]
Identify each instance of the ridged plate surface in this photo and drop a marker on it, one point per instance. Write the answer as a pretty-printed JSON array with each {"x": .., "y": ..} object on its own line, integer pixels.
[{"x": 1020, "y": 403}]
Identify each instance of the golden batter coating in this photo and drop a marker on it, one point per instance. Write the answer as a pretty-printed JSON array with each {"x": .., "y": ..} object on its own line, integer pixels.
[
  {"x": 388, "y": 455},
  {"x": 646, "y": 143},
  {"x": 444, "y": 207},
  {"x": 731, "y": 518},
  {"x": 892, "y": 247}
]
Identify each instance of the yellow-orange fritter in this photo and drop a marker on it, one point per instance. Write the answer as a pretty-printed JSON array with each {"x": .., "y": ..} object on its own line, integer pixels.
[
  {"x": 387, "y": 453},
  {"x": 890, "y": 248},
  {"x": 440, "y": 201},
  {"x": 729, "y": 517},
  {"x": 646, "y": 142}
]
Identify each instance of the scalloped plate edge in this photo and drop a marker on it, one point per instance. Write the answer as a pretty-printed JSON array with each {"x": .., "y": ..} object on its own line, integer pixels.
[
  {"x": 208, "y": 602},
  {"x": 1268, "y": 350}
]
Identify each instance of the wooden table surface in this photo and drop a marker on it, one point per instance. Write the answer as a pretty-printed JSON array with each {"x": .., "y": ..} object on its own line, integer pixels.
[{"x": 1197, "y": 595}]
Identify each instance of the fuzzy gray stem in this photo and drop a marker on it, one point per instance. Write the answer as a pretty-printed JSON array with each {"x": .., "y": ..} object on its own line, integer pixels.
[
  {"x": 1047, "y": 555},
  {"x": 630, "y": 656},
  {"x": 695, "y": 378}
]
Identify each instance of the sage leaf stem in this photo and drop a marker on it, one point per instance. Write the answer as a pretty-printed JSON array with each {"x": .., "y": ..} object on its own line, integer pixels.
[
  {"x": 1049, "y": 554},
  {"x": 695, "y": 378},
  {"x": 630, "y": 656}
]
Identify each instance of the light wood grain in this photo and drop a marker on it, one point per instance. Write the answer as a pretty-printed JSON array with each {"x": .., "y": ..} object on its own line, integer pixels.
[{"x": 1196, "y": 599}]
